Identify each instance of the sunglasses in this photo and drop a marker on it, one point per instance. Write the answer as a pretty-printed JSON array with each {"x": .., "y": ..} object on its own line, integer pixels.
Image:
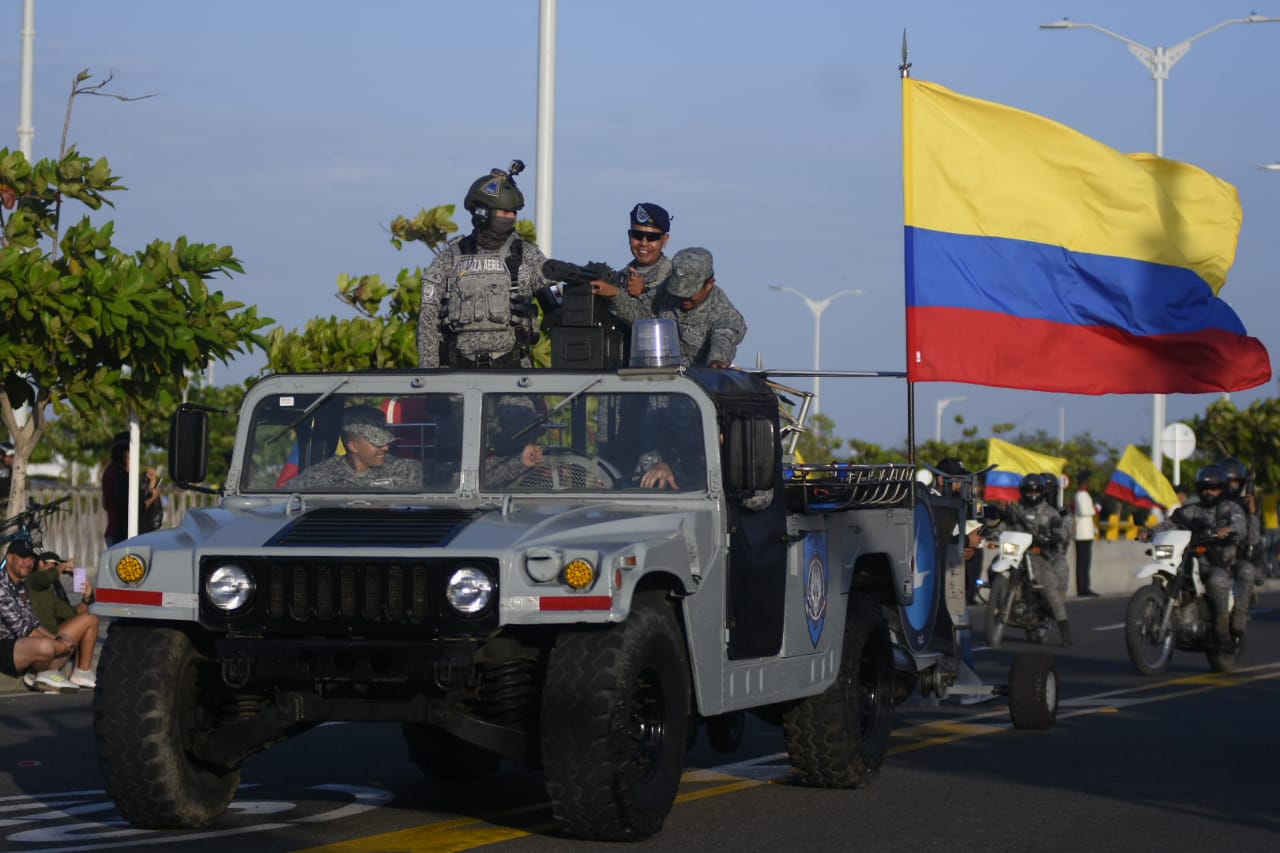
[{"x": 645, "y": 236}]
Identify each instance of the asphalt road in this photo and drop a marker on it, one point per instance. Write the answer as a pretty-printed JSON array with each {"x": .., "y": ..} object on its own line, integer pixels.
[{"x": 1185, "y": 761}]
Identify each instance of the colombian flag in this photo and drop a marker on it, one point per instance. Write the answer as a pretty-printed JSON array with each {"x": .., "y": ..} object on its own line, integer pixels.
[
  {"x": 1137, "y": 481},
  {"x": 1012, "y": 464},
  {"x": 1039, "y": 258}
]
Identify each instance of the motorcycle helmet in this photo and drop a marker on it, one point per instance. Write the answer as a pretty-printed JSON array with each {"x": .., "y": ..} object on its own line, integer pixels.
[
  {"x": 1032, "y": 489},
  {"x": 1051, "y": 484},
  {"x": 494, "y": 191},
  {"x": 1236, "y": 473},
  {"x": 1211, "y": 479}
]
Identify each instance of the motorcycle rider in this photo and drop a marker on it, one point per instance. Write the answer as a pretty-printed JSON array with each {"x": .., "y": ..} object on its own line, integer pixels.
[
  {"x": 1216, "y": 514},
  {"x": 1245, "y": 568},
  {"x": 1053, "y": 497},
  {"x": 1048, "y": 540}
]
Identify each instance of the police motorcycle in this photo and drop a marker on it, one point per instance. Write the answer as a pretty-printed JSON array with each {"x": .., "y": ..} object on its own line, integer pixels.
[
  {"x": 1173, "y": 611},
  {"x": 1016, "y": 597}
]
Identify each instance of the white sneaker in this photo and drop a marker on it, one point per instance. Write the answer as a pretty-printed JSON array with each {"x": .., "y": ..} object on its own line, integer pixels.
[
  {"x": 29, "y": 680},
  {"x": 54, "y": 681},
  {"x": 84, "y": 678}
]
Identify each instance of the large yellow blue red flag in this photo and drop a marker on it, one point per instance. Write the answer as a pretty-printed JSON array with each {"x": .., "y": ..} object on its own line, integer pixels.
[
  {"x": 1138, "y": 481},
  {"x": 1039, "y": 258},
  {"x": 1012, "y": 464}
]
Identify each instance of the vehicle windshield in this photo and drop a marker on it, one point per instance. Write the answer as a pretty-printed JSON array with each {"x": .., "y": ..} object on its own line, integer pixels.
[
  {"x": 344, "y": 443},
  {"x": 592, "y": 443}
]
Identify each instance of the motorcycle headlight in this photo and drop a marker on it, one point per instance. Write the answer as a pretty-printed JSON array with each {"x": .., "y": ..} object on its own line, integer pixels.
[
  {"x": 1162, "y": 552},
  {"x": 469, "y": 590},
  {"x": 229, "y": 587},
  {"x": 1008, "y": 549}
]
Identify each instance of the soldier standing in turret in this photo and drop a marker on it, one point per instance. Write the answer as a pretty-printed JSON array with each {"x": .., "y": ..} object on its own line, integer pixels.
[{"x": 478, "y": 294}]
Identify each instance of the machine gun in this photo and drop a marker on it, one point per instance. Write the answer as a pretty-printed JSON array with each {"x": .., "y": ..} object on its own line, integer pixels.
[
  {"x": 569, "y": 273},
  {"x": 583, "y": 332}
]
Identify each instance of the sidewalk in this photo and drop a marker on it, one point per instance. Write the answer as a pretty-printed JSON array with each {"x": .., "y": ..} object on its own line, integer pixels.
[{"x": 15, "y": 685}]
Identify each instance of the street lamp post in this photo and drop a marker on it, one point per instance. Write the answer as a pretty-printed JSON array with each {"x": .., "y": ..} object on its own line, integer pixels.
[
  {"x": 942, "y": 404},
  {"x": 817, "y": 306},
  {"x": 1158, "y": 61}
]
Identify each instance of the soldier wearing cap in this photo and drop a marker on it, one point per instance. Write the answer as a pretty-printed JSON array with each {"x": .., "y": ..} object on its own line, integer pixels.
[
  {"x": 366, "y": 463},
  {"x": 478, "y": 294},
  {"x": 710, "y": 327}
]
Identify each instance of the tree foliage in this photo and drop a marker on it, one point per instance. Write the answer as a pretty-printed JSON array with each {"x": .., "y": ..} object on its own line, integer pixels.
[
  {"x": 384, "y": 333},
  {"x": 1251, "y": 435},
  {"x": 94, "y": 328}
]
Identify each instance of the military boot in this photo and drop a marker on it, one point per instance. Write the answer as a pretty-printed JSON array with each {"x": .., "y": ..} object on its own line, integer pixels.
[
  {"x": 1222, "y": 630},
  {"x": 1239, "y": 618},
  {"x": 1064, "y": 632}
]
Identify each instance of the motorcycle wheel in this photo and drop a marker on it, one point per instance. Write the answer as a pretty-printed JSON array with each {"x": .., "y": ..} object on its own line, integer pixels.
[
  {"x": 995, "y": 621},
  {"x": 1149, "y": 650}
]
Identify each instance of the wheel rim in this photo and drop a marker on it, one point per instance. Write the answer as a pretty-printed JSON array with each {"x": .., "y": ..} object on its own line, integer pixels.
[
  {"x": 1051, "y": 690},
  {"x": 648, "y": 724}
]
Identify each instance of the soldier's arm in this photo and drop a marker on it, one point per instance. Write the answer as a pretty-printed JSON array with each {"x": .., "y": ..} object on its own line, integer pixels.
[
  {"x": 429, "y": 314},
  {"x": 632, "y": 308},
  {"x": 727, "y": 332}
]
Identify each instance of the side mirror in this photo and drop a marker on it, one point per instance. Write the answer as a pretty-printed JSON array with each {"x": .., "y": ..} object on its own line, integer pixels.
[{"x": 189, "y": 445}]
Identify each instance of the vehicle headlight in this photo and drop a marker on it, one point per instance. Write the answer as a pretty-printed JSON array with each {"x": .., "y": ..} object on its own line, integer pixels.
[
  {"x": 130, "y": 568},
  {"x": 229, "y": 587},
  {"x": 1163, "y": 552},
  {"x": 469, "y": 590},
  {"x": 1009, "y": 549}
]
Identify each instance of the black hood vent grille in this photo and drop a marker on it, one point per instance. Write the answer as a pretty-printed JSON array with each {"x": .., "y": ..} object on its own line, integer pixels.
[{"x": 369, "y": 527}]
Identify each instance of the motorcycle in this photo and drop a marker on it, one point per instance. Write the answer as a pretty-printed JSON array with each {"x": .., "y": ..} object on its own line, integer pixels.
[
  {"x": 1016, "y": 597},
  {"x": 1172, "y": 612}
]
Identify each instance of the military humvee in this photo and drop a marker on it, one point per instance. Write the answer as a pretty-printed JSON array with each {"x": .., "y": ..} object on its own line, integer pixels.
[{"x": 653, "y": 566}]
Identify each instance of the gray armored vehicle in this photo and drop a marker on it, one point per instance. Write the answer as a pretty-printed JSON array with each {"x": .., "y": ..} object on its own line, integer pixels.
[{"x": 568, "y": 570}]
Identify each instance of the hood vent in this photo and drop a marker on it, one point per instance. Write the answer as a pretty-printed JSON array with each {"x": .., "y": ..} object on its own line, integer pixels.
[{"x": 384, "y": 528}]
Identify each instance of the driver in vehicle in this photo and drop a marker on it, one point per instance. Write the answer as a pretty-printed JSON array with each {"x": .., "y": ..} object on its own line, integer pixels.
[{"x": 366, "y": 462}]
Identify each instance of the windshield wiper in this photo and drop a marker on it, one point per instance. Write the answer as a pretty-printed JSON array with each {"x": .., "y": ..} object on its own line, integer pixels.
[
  {"x": 547, "y": 415},
  {"x": 307, "y": 411}
]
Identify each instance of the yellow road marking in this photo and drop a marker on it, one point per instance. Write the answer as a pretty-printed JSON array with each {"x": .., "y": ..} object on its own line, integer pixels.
[{"x": 453, "y": 836}]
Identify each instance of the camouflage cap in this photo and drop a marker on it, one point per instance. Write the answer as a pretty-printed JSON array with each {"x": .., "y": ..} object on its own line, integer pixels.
[
  {"x": 369, "y": 424},
  {"x": 690, "y": 270}
]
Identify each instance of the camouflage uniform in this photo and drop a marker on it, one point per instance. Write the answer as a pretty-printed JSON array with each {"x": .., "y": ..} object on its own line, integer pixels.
[
  {"x": 1044, "y": 523},
  {"x": 711, "y": 331},
  {"x": 624, "y": 305},
  {"x": 335, "y": 474},
  {"x": 471, "y": 306},
  {"x": 1215, "y": 571}
]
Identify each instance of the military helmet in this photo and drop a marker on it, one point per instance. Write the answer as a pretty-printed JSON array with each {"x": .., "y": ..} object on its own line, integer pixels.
[
  {"x": 1211, "y": 478},
  {"x": 1032, "y": 489},
  {"x": 494, "y": 191},
  {"x": 1236, "y": 472}
]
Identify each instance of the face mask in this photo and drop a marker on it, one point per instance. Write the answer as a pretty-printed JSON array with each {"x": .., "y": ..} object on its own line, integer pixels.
[{"x": 501, "y": 225}]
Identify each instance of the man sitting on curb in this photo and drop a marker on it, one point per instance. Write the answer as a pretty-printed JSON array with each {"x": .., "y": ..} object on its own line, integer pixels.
[
  {"x": 34, "y": 647},
  {"x": 52, "y": 607}
]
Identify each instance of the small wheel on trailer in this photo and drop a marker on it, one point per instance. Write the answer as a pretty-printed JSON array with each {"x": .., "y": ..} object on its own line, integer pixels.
[
  {"x": 1033, "y": 691},
  {"x": 725, "y": 731}
]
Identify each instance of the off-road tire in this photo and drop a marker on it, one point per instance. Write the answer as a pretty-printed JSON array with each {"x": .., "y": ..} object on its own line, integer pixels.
[
  {"x": 724, "y": 732},
  {"x": 1033, "y": 691},
  {"x": 838, "y": 738},
  {"x": 446, "y": 758},
  {"x": 615, "y": 717},
  {"x": 153, "y": 704},
  {"x": 1141, "y": 621}
]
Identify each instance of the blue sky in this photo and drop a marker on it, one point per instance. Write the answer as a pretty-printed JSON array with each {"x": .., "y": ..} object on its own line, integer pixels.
[{"x": 295, "y": 131}]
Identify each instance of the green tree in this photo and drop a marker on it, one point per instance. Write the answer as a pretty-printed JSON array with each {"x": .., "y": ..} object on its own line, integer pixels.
[
  {"x": 1251, "y": 435},
  {"x": 375, "y": 339}
]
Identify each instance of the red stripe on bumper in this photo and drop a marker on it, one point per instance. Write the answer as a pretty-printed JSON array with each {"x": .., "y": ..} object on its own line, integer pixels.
[
  {"x": 129, "y": 596},
  {"x": 576, "y": 602}
]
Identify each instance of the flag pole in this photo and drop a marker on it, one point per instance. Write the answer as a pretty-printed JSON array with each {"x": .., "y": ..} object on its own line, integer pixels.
[{"x": 904, "y": 71}]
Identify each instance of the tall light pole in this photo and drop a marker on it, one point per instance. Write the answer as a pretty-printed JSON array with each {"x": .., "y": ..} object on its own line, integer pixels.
[
  {"x": 817, "y": 306},
  {"x": 1158, "y": 61},
  {"x": 942, "y": 404},
  {"x": 544, "y": 183}
]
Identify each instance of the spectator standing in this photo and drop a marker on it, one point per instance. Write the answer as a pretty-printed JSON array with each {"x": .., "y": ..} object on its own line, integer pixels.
[
  {"x": 115, "y": 493},
  {"x": 1084, "y": 512}
]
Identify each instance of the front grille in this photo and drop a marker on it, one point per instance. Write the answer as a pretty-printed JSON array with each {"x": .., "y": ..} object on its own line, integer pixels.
[
  {"x": 398, "y": 527},
  {"x": 326, "y": 596}
]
